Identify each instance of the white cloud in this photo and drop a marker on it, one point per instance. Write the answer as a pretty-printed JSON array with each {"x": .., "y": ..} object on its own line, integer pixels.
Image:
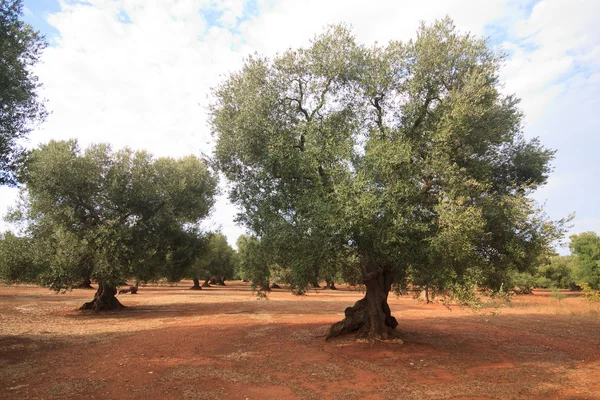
[
  {"x": 144, "y": 84},
  {"x": 559, "y": 38},
  {"x": 554, "y": 68}
]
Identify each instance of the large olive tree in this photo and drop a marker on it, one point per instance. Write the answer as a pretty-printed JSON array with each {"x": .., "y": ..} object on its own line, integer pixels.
[{"x": 406, "y": 158}]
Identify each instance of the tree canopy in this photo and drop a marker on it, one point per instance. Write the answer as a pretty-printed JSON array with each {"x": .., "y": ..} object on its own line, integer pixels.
[
  {"x": 112, "y": 215},
  {"x": 215, "y": 261},
  {"x": 252, "y": 264},
  {"x": 586, "y": 249},
  {"x": 405, "y": 158},
  {"x": 20, "y": 107}
]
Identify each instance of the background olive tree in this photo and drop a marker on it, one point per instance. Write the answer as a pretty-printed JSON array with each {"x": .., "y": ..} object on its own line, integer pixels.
[
  {"x": 110, "y": 216},
  {"x": 215, "y": 262},
  {"x": 20, "y": 107}
]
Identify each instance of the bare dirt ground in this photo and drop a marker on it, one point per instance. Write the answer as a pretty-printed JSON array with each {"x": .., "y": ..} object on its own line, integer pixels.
[{"x": 223, "y": 343}]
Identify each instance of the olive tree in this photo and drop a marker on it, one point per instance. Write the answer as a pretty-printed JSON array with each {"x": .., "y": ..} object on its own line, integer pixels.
[
  {"x": 406, "y": 156},
  {"x": 586, "y": 249},
  {"x": 20, "y": 108},
  {"x": 215, "y": 261},
  {"x": 111, "y": 215}
]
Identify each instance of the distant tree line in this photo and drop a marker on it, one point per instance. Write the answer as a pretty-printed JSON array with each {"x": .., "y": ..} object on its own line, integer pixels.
[{"x": 581, "y": 268}]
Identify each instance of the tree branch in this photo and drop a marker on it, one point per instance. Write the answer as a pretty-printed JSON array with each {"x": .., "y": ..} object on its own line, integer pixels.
[
  {"x": 322, "y": 98},
  {"x": 424, "y": 109},
  {"x": 379, "y": 121}
]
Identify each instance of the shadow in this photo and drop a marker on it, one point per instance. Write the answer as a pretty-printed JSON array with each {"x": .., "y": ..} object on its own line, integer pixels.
[{"x": 440, "y": 356}]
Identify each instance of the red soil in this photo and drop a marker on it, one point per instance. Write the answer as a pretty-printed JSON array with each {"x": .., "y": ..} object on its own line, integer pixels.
[{"x": 221, "y": 342}]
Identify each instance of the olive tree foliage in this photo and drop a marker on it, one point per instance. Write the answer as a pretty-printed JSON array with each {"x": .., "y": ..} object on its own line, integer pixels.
[
  {"x": 586, "y": 249},
  {"x": 20, "y": 107},
  {"x": 252, "y": 263},
  {"x": 17, "y": 259},
  {"x": 216, "y": 260},
  {"x": 557, "y": 271},
  {"x": 111, "y": 215},
  {"x": 407, "y": 157}
]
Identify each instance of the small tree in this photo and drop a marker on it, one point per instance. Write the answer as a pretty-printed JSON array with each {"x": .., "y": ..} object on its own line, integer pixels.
[
  {"x": 557, "y": 271},
  {"x": 586, "y": 249},
  {"x": 215, "y": 261},
  {"x": 252, "y": 262},
  {"x": 111, "y": 215},
  {"x": 20, "y": 107},
  {"x": 407, "y": 153},
  {"x": 17, "y": 259}
]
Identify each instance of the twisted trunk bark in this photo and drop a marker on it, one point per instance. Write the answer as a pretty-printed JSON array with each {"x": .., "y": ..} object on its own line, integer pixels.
[
  {"x": 370, "y": 317},
  {"x": 104, "y": 299},
  {"x": 206, "y": 284}
]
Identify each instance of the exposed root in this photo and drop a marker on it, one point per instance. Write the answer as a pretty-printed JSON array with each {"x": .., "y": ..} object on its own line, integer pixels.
[
  {"x": 104, "y": 299},
  {"x": 131, "y": 289},
  {"x": 362, "y": 324}
]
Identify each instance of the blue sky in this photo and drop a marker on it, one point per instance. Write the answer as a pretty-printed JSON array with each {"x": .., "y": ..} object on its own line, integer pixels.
[{"x": 137, "y": 73}]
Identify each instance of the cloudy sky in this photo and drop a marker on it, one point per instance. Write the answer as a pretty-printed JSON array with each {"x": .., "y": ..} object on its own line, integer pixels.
[{"x": 137, "y": 73}]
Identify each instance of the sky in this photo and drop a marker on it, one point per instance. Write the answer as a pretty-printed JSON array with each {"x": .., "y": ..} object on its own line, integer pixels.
[{"x": 138, "y": 73}]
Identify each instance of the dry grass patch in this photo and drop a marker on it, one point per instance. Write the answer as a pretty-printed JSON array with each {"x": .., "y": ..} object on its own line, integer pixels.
[{"x": 545, "y": 305}]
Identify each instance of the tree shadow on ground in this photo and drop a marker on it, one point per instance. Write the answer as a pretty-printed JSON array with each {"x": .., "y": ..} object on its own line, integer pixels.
[{"x": 442, "y": 357}]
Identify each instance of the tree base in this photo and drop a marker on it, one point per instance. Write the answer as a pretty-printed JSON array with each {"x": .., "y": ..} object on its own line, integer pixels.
[
  {"x": 275, "y": 286},
  {"x": 196, "y": 288},
  {"x": 104, "y": 300},
  {"x": 358, "y": 321},
  {"x": 130, "y": 289},
  {"x": 85, "y": 284}
]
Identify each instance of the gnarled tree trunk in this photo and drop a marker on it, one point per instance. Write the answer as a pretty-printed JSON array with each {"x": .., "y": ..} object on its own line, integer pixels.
[
  {"x": 370, "y": 317},
  {"x": 206, "y": 284},
  {"x": 104, "y": 299},
  {"x": 196, "y": 284},
  {"x": 85, "y": 284},
  {"x": 220, "y": 281}
]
